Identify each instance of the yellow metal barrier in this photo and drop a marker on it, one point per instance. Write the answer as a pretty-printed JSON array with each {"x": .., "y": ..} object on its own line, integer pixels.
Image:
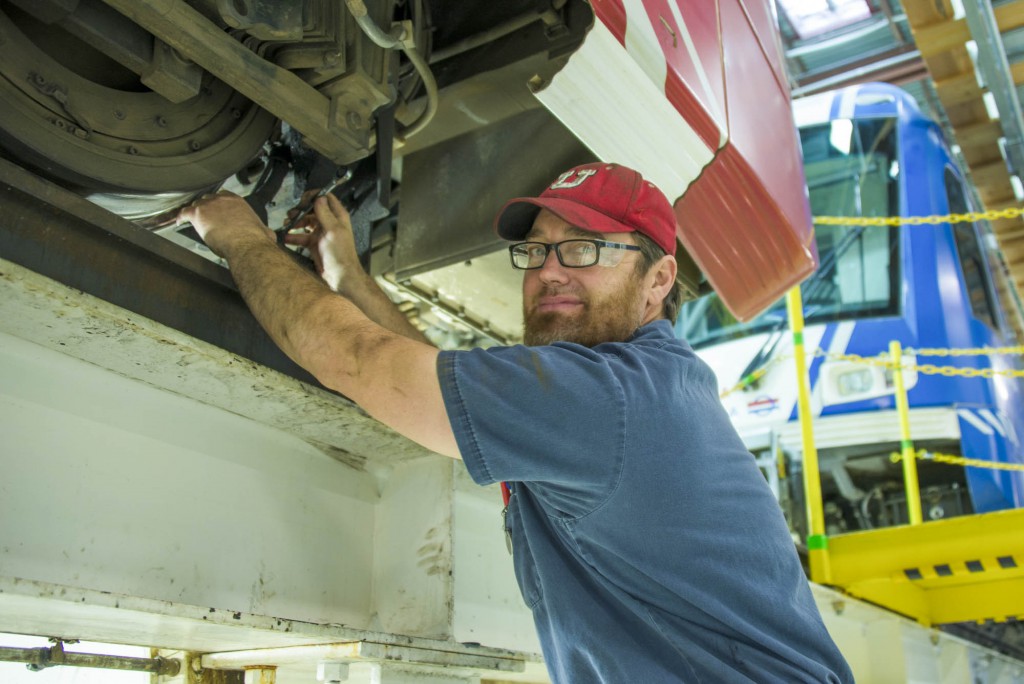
[
  {"x": 964, "y": 569},
  {"x": 968, "y": 568},
  {"x": 817, "y": 542},
  {"x": 903, "y": 411}
]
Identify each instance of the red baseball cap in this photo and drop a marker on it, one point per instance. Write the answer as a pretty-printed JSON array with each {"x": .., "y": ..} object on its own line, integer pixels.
[{"x": 600, "y": 197}]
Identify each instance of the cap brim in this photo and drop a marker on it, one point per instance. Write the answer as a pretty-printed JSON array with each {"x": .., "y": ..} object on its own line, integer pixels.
[{"x": 516, "y": 218}]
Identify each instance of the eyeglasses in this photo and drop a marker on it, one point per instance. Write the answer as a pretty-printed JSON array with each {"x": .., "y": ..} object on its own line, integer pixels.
[{"x": 570, "y": 253}]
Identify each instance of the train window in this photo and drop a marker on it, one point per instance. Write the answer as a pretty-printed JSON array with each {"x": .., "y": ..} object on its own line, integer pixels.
[
  {"x": 854, "y": 177},
  {"x": 852, "y": 170},
  {"x": 972, "y": 260}
]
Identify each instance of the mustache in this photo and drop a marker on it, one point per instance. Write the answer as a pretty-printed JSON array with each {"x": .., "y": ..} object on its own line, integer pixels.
[
  {"x": 530, "y": 305},
  {"x": 548, "y": 291}
]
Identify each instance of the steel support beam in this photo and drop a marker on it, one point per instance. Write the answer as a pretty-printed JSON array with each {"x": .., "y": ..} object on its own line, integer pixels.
[
  {"x": 995, "y": 70},
  {"x": 42, "y": 658},
  {"x": 59, "y": 235}
]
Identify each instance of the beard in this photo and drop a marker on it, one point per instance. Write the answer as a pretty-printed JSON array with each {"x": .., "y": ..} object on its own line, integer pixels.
[{"x": 613, "y": 318}]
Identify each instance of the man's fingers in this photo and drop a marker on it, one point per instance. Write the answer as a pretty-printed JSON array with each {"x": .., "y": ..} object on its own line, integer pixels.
[
  {"x": 338, "y": 208},
  {"x": 325, "y": 210},
  {"x": 305, "y": 200},
  {"x": 299, "y": 239}
]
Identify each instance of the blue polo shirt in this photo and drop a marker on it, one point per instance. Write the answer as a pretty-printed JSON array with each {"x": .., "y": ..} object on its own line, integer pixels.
[{"x": 645, "y": 539}]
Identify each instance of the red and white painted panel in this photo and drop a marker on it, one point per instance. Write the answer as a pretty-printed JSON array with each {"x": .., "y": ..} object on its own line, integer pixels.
[{"x": 692, "y": 93}]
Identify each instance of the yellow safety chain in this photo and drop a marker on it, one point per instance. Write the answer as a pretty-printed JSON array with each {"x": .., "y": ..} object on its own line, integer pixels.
[
  {"x": 979, "y": 351},
  {"x": 924, "y": 455},
  {"x": 971, "y": 217},
  {"x": 926, "y": 369},
  {"x": 753, "y": 376}
]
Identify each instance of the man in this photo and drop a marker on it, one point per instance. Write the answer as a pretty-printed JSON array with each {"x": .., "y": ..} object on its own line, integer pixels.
[{"x": 644, "y": 537}]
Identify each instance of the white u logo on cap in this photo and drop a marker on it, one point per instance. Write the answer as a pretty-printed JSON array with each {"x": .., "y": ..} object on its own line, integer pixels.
[{"x": 566, "y": 180}]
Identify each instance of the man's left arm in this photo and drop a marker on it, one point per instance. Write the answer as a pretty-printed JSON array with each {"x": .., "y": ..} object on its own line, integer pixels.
[{"x": 392, "y": 377}]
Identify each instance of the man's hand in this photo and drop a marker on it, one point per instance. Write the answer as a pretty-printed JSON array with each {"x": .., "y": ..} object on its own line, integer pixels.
[
  {"x": 330, "y": 242},
  {"x": 362, "y": 347},
  {"x": 224, "y": 220},
  {"x": 332, "y": 247}
]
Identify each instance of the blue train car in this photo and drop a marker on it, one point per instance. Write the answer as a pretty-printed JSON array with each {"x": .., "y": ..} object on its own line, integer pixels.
[{"x": 869, "y": 151}]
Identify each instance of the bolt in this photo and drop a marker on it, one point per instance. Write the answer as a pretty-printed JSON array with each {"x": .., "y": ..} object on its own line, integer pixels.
[
  {"x": 236, "y": 113},
  {"x": 331, "y": 57},
  {"x": 38, "y": 79},
  {"x": 161, "y": 121},
  {"x": 119, "y": 114},
  {"x": 353, "y": 120},
  {"x": 132, "y": 150},
  {"x": 194, "y": 145}
]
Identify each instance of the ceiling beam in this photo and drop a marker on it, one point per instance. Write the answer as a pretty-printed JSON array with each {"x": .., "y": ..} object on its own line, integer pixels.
[{"x": 941, "y": 40}]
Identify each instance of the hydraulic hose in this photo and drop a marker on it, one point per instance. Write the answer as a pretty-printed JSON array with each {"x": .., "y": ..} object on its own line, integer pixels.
[
  {"x": 388, "y": 41},
  {"x": 400, "y": 39}
]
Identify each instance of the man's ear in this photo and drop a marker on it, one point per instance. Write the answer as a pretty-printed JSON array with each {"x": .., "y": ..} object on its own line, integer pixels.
[{"x": 664, "y": 278}]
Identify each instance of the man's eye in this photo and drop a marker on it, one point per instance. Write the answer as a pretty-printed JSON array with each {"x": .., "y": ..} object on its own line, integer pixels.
[{"x": 582, "y": 249}]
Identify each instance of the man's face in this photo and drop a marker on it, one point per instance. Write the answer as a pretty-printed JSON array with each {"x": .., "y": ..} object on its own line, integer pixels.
[{"x": 582, "y": 305}]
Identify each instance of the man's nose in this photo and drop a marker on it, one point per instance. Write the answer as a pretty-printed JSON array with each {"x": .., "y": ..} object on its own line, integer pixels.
[{"x": 551, "y": 269}]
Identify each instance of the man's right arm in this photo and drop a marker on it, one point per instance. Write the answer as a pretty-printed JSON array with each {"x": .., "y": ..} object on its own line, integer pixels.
[{"x": 331, "y": 244}]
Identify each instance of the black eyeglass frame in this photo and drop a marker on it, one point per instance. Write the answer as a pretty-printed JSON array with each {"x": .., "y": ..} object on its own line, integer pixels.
[{"x": 548, "y": 246}]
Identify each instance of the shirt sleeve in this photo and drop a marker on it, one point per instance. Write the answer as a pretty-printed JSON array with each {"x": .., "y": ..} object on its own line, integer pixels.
[{"x": 553, "y": 416}]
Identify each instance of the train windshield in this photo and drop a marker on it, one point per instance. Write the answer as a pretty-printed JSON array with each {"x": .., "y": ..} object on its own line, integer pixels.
[{"x": 852, "y": 169}]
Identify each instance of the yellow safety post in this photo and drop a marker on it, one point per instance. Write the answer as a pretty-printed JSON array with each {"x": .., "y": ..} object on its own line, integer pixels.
[
  {"x": 910, "y": 483},
  {"x": 817, "y": 541}
]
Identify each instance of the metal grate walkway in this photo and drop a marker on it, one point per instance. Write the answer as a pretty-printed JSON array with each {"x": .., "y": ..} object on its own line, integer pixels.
[{"x": 965, "y": 569}]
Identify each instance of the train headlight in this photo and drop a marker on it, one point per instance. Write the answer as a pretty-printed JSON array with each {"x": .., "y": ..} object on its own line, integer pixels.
[
  {"x": 843, "y": 382},
  {"x": 857, "y": 381}
]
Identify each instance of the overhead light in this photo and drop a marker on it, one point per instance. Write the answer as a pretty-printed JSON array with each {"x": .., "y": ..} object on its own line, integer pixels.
[
  {"x": 990, "y": 105},
  {"x": 1018, "y": 188},
  {"x": 810, "y": 18}
]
